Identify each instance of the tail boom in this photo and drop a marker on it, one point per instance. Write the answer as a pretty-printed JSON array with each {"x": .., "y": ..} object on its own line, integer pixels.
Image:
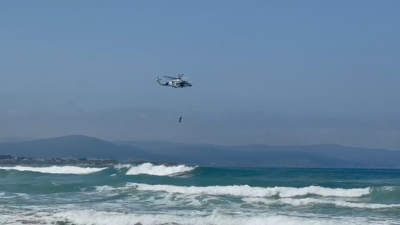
[{"x": 161, "y": 83}]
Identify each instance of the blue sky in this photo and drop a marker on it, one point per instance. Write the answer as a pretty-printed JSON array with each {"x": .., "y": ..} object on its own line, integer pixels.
[{"x": 296, "y": 59}]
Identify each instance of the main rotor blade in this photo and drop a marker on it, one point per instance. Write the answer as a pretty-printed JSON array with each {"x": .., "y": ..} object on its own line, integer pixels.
[{"x": 171, "y": 77}]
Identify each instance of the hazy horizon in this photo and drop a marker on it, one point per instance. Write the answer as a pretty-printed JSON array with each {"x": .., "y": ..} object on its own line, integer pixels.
[
  {"x": 276, "y": 73},
  {"x": 196, "y": 127}
]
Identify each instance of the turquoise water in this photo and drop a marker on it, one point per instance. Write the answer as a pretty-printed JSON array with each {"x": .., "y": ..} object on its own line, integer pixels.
[{"x": 150, "y": 194}]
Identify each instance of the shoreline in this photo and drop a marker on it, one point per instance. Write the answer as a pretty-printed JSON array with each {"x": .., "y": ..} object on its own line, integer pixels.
[
  {"x": 79, "y": 162},
  {"x": 9, "y": 161}
]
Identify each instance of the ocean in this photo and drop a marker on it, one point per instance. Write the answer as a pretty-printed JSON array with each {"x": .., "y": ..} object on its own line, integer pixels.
[{"x": 183, "y": 195}]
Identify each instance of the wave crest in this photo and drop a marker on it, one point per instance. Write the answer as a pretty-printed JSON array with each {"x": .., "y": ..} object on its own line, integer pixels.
[
  {"x": 248, "y": 191},
  {"x": 310, "y": 201},
  {"x": 156, "y": 170},
  {"x": 56, "y": 169}
]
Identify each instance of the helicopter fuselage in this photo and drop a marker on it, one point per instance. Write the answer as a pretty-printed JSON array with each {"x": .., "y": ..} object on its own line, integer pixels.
[{"x": 175, "y": 83}]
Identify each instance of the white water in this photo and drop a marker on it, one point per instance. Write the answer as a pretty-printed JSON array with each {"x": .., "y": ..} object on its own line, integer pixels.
[
  {"x": 200, "y": 206},
  {"x": 156, "y": 170},
  {"x": 85, "y": 217},
  {"x": 122, "y": 203},
  {"x": 247, "y": 191},
  {"x": 103, "y": 218},
  {"x": 310, "y": 201},
  {"x": 176, "y": 199},
  {"x": 56, "y": 169}
]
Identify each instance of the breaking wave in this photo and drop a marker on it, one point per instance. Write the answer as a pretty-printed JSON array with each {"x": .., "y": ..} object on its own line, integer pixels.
[
  {"x": 155, "y": 170},
  {"x": 119, "y": 195},
  {"x": 247, "y": 191},
  {"x": 310, "y": 201},
  {"x": 56, "y": 169},
  {"x": 82, "y": 217}
]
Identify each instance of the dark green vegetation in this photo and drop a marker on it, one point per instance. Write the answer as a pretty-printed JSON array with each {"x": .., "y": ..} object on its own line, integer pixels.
[{"x": 201, "y": 154}]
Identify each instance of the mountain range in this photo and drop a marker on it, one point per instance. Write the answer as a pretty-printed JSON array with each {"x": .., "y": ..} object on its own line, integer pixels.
[{"x": 256, "y": 155}]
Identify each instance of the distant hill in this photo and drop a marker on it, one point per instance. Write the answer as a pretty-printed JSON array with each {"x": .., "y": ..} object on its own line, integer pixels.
[
  {"x": 157, "y": 145},
  {"x": 350, "y": 156},
  {"x": 78, "y": 146},
  {"x": 328, "y": 155},
  {"x": 75, "y": 146}
]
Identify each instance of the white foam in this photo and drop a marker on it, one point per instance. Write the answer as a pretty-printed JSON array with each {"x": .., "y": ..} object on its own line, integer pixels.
[
  {"x": 122, "y": 166},
  {"x": 56, "y": 169},
  {"x": 247, "y": 191},
  {"x": 158, "y": 170},
  {"x": 83, "y": 217},
  {"x": 309, "y": 201},
  {"x": 105, "y": 188}
]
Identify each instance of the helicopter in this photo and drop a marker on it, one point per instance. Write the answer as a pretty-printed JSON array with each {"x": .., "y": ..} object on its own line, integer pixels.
[{"x": 176, "y": 82}]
